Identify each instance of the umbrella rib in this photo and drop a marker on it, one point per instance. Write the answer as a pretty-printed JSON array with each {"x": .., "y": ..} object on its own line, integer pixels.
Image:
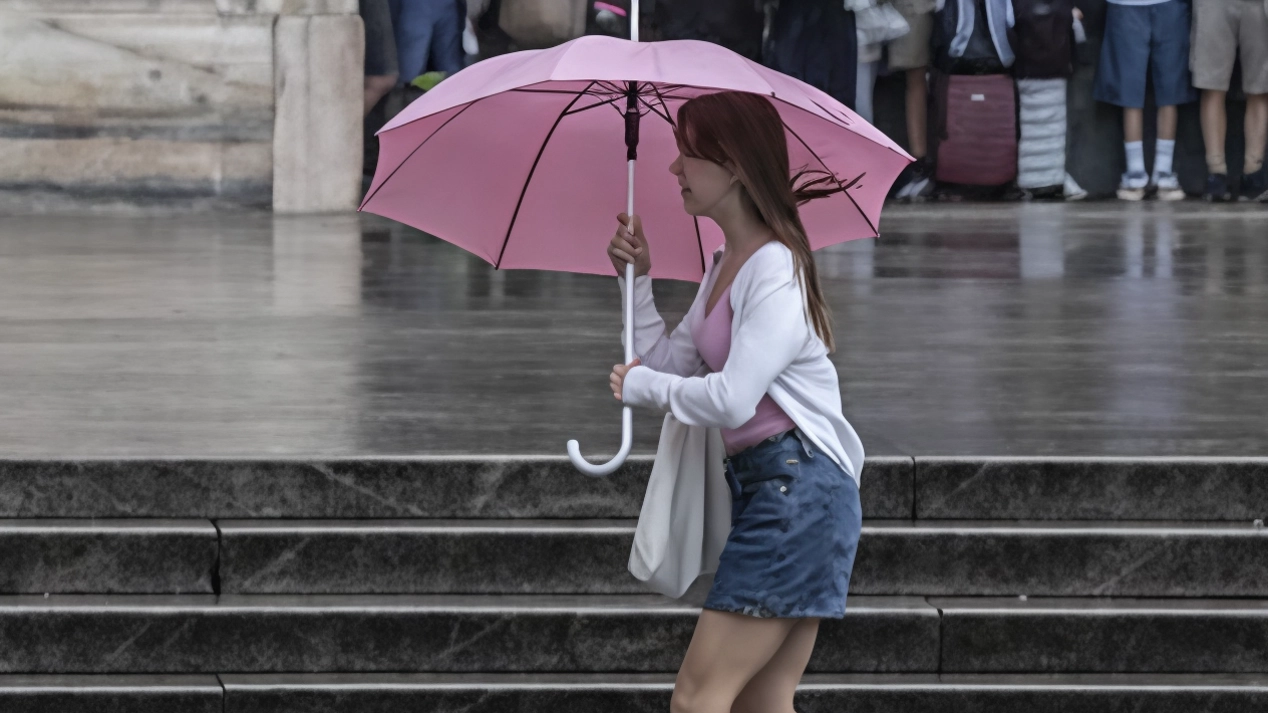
[
  {"x": 876, "y": 232},
  {"x": 652, "y": 109},
  {"x": 605, "y": 102},
  {"x": 518, "y": 204},
  {"x": 422, "y": 143}
]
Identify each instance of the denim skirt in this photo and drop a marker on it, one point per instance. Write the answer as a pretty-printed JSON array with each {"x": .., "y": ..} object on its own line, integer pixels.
[{"x": 795, "y": 522}]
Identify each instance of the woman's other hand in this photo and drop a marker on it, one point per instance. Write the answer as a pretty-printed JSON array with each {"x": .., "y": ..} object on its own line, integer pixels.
[
  {"x": 626, "y": 248},
  {"x": 617, "y": 379}
]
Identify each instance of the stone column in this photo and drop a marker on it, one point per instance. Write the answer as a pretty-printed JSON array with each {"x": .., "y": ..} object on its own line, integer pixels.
[{"x": 318, "y": 65}]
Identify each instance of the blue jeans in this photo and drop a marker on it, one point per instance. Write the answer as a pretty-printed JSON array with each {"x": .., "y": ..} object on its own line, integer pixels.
[{"x": 427, "y": 29}]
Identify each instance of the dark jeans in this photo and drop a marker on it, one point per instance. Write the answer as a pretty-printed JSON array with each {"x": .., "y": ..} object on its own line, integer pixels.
[
  {"x": 428, "y": 30},
  {"x": 815, "y": 41}
]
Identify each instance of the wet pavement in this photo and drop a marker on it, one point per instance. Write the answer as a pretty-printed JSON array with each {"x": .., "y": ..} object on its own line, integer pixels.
[{"x": 999, "y": 329}]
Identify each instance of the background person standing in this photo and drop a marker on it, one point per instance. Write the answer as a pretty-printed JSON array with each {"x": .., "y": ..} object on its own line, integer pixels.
[
  {"x": 1146, "y": 39},
  {"x": 1223, "y": 29}
]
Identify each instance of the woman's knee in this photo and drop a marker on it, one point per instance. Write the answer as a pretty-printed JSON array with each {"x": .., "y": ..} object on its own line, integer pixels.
[{"x": 683, "y": 701}]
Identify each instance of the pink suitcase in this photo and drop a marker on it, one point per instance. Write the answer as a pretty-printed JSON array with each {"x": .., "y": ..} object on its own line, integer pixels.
[{"x": 974, "y": 125}]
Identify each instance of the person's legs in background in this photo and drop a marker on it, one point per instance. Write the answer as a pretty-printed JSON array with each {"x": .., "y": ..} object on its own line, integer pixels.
[
  {"x": 446, "y": 37},
  {"x": 427, "y": 29},
  {"x": 1255, "y": 174},
  {"x": 1213, "y": 54},
  {"x": 1136, "y": 180},
  {"x": 1121, "y": 76},
  {"x": 911, "y": 54},
  {"x": 381, "y": 71},
  {"x": 1163, "y": 180},
  {"x": 918, "y": 111},
  {"x": 1214, "y": 123},
  {"x": 865, "y": 85},
  {"x": 1169, "y": 56},
  {"x": 1254, "y": 48}
]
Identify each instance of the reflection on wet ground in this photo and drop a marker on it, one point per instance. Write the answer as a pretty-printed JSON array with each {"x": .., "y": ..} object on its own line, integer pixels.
[{"x": 1098, "y": 329}]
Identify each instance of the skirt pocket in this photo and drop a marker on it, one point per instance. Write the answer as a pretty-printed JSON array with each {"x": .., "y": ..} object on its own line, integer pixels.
[{"x": 781, "y": 471}]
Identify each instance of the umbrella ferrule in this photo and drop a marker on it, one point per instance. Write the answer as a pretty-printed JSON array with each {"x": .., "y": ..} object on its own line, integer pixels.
[{"x": 631, "y": 121}]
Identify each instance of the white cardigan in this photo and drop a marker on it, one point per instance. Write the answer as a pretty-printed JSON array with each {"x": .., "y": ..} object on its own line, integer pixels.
[{"x": 774, "y": 350}]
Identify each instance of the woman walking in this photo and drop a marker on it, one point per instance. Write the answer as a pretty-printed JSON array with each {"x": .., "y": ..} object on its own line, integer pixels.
[{"x": 751, "y": 359}]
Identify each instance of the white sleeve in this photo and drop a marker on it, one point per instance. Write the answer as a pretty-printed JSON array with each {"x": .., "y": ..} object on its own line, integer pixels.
[
  {"x": 672, "y": 354},
  {"x": 770, "y": 337}
]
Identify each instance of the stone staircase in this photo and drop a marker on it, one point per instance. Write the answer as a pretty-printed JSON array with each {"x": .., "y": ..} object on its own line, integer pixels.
[{"x": 499, "y": 584}]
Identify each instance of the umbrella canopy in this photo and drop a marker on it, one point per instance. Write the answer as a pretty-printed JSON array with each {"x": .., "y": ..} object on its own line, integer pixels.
[{"x": 521, "y": 158}]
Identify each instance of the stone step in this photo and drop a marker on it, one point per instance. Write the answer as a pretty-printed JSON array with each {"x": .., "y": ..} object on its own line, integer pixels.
[
  {"x": 318, "y": 633},
  {"x": 989, "y": 634},
  {"x": 632, "y": 692},
  {"x": 115, "y": 693},
  {"x": 1079, "y": 488},
  {"x": 817, "y": 693},
  {"x": 104, "y": 556},
  {"x": 1070, "y": 558},
  {"x": 1232, "y": 489},
  {"x": 612, "y": 633},
  {"x": 372, "y": 487}
]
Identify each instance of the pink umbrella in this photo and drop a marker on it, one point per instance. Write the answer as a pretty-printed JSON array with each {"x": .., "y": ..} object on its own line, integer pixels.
[{"x": 518, "y": 159}]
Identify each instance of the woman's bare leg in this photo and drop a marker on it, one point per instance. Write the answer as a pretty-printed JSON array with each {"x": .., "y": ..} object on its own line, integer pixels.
[
  {"x": 917, "y": 112},
  {"x": 726, "y": 651},
  {"x": 772, "y": 689}
]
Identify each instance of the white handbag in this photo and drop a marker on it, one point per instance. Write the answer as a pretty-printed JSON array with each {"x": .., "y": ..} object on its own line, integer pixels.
[
  {"x": 880, "y": 23},
  {"x": 686, "y": 514}
]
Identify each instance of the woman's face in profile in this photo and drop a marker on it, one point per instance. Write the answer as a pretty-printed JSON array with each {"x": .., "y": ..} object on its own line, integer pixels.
[{"x": 703, "y": 182}]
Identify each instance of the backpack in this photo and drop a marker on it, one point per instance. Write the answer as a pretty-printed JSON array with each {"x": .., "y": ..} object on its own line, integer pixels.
[{"x": 980, "y": 57}]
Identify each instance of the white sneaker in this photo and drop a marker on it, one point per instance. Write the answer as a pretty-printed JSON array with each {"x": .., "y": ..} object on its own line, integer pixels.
[
  {"x": 1132, "y": 186},
  {"x": 1072, "y": 190},
  {"x": 1167, "y": 187}
]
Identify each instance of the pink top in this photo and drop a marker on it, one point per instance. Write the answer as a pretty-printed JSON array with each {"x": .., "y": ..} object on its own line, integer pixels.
[{"x": 712, "y": 335}]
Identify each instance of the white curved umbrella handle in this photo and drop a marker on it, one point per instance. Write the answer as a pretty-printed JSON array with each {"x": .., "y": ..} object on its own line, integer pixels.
[
  {"x": 627, "y": 439},
  {"x": 627, "y": 417}
]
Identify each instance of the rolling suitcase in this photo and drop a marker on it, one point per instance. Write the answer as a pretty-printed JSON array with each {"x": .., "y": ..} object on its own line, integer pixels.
[{"x": 974, "y": 127}]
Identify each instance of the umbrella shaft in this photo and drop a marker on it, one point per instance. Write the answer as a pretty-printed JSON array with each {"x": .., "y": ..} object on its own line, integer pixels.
[
  {"x": 629, "y": 273},
  {"x": 634, "y": 20}
]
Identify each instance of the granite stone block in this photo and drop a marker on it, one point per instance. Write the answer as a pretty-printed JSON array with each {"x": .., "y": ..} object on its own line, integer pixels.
[
  {"x": 277, "y": 633},
  {"x": 887, "y": 487},
  {"x": 1059, "y": 488},
  {"x": 371, "y": 487},
  {"x": 184, "y": 7},
  {"x": 317, "y": 137},
  {"x": 427, "y": 556},
  {"x": 107, "y": 556},
  {"x": 1062, "y": 558},
  {"x": 947, "y": 558},
  {"x": 817, "y": 693},
  {"x": 1104, "y": 635},
  {"x": 137, "y": 107},
  {"x": 113, "y": 693}
]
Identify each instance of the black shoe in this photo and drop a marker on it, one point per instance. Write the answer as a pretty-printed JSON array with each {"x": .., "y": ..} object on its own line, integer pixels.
[
  {"x": 1255, "y": 185},
  {"x": 1217, "y": 188},
  {"x": 920, "y": 185}
]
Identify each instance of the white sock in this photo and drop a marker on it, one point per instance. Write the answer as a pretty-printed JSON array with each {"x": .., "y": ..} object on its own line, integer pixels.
[
  {"x": 1162, "y": 156},
  {"x": 1135, "y": 156}
]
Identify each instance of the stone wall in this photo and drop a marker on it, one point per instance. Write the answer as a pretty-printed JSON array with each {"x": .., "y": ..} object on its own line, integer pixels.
[{"x": 181, "y": 102}]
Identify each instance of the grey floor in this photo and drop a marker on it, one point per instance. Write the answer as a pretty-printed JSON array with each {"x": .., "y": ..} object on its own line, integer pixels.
[{"x": 1004, "y": 329}]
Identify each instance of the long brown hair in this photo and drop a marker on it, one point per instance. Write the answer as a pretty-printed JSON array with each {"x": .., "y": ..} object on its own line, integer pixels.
[{"x": 744, "y": 132}]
